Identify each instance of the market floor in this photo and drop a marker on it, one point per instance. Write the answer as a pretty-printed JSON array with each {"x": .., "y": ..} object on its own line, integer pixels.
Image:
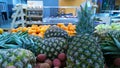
[{"x": 6, "y": 24}]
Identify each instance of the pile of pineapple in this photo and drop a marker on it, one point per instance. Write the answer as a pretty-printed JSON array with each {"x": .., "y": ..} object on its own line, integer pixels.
[
  {"x": 41, "y": 29},
  {"x": 62, "y": 46}
]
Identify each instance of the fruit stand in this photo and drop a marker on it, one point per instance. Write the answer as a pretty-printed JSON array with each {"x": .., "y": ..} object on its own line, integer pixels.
[{"x": 78, "y": 45}]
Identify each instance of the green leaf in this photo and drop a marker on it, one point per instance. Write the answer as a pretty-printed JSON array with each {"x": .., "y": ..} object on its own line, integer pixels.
[
  {"x": 11, "y": 46},
  {"x": 117, "y": 43},
  {"x": 112, "y": 53},
  {"x": 110, "y": 48}
]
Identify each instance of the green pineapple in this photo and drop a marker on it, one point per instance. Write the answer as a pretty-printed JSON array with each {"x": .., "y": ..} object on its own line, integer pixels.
[
  {"x": 83, "y": 50},
  {"x": 55, "y": 31},
  {"x": 53, "y": 46},
  {"x": 50, "y": 46},
  {"x": 20, "y": 58},
  {"x": 54, "y": 42}
]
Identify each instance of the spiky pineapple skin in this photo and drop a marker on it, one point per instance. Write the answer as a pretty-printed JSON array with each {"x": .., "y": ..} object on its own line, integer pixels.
[
  {"x": 20, "y": 58},
  {"x": 55, "y": 31},
  {"x": 53, "y": 46},
  {"x": 84, "y": 52}
]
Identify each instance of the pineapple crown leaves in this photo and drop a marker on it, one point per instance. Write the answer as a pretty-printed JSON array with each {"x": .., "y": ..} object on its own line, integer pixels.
[
  {"x": 111, "y": 47},
  {"x": 117, "y": 43},
  {"x": 85, "y": 22}
]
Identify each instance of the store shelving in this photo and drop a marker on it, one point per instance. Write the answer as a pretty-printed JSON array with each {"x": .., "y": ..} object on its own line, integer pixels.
[
  {"x": 115, "y": 15},
  {"x": 34, "y": 14},
  {"x": 19, "y": 16},
  {"x": 26, "y": 15}
]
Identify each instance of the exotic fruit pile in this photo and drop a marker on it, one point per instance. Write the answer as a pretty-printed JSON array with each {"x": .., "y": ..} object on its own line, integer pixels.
[
  {"x": 54, "y": 43},
  {"x": 53, "y": 46}
]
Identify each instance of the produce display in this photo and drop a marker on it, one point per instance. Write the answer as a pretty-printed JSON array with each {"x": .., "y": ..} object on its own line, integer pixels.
[
  {"x": 53, "y": 46},
  {"x": 50, "y": 46},
  {"x": 40, "y": 30}
]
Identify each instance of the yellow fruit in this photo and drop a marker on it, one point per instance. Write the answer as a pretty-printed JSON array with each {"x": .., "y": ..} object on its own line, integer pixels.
[{"x": 1, "y": 31}]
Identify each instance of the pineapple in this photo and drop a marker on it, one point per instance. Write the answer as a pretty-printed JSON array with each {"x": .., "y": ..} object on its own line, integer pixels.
[
  {"x": 20, "y": 58},
  {"x": 55, "y": 31},
  {"x": 53, "y": 46},
  {"x": 54, "y": 43},
  {"x": 32, "y": 43},
  {"x": 50, "y": 46},
  {"x": 84, "y": 50}
]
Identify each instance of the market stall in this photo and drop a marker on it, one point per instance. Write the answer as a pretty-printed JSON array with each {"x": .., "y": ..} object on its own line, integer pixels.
[{"x": 69, "y": 40}]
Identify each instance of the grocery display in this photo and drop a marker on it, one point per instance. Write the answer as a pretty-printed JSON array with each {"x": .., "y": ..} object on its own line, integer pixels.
[{"x": 49, "y": 34}]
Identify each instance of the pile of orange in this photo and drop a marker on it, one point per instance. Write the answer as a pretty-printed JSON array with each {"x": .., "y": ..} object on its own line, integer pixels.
[
  {"x": 70, "y": 28},
  {"x": 33, "y": 30},
  {"x": 41, "y": 29}
]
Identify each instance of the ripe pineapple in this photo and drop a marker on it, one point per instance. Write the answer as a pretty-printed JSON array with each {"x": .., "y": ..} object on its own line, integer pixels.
[
  {"x": 20, "y": 58},
  {"x": 53, "y": 46},
  {"x": 83, "y": 50},
  {"x": 55, "y": 42},
  {"x": 55, "y": 31}
]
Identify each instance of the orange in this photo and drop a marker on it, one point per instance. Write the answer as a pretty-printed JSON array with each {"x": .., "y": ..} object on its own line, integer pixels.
[
  {"x": 14, "y": 30},
  {"x": 34, "y": 34}
]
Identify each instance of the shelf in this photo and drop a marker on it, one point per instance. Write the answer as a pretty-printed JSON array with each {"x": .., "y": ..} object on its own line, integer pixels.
[
  {"x": 115, "y": 11},
  {"x": 33, "y": 22},
  {"x": 34, "y": 9},
  {"x": 115, "y": 19},
  {"x": 18, "y": 15},
  {"x": 34, "y": 16}
]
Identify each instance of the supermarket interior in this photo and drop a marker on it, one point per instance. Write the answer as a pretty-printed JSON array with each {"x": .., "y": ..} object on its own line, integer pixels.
[{"x": 59, "y": 33}]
